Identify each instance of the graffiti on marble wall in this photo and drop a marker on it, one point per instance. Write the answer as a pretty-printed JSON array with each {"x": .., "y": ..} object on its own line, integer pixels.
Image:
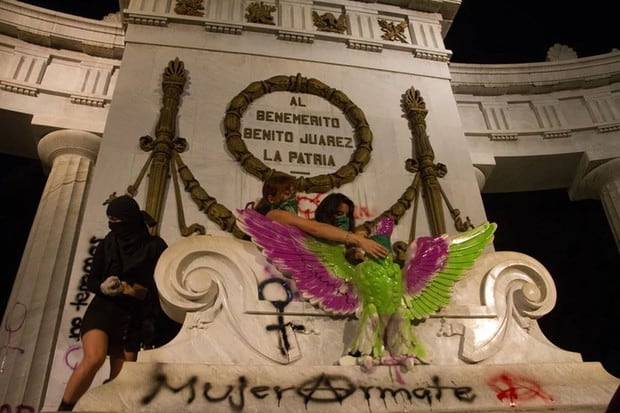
[
  {"x": 81, "y": 298},
  {"x": 20, "y": 408},
  {"x": 321, "y": 389},
  {"x": 14, "y": 322},
  {"x": 72, "y": 361},
  {"x": 307, "y": 204},
  {"x": 512, "y": 389},
  {"x": 386, "y": 298},
  {"x": 286, "y": 331}
]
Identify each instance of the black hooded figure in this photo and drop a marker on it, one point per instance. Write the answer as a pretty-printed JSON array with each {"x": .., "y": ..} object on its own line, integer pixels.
[{"x": 125, "y": 300}]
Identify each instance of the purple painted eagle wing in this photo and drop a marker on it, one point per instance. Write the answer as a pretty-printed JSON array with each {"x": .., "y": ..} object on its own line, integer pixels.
[
  {"x": 320, "y": 269},
  {"x": 434, "y": 264}
]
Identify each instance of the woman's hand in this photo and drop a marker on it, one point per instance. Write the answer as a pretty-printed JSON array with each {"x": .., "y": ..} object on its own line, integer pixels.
[
  {"x": 111, "y": 286},
  {"x": 362, "y": 232},
  {"x": 372, "y": 248}
]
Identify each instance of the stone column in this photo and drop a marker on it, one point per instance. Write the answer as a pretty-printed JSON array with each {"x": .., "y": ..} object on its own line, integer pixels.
[
  {"x": 603, "y": 182},
  {"x": 481, "y": 178},
  {"x": 28, "y": 331}
]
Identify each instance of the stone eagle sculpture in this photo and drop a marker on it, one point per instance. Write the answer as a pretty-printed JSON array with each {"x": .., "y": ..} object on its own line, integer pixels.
[{"x": 385, "y": 297}]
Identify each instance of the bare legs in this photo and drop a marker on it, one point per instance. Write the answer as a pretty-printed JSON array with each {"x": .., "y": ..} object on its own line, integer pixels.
[
  {"x": 95, "y": 348},
  {"x": 117, "y": 360}
]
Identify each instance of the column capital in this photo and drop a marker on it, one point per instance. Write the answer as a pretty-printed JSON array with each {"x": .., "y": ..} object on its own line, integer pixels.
[
  {"x": 595, "y": 180},
  {"x": 603, "y": 183},
  {"x": 68, "y": 141},
  {"x": 481, "y": 178}
]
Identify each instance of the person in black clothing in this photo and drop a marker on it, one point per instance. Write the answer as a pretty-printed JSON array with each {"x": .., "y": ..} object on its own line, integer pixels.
[{"x": 121, "y": 278}]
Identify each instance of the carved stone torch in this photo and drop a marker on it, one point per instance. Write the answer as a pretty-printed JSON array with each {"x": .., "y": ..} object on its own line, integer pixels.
[
  {"x": 415, "y": 110},
  {"x": 165, "y": 158},
  {"x": 426, "y": 173},
  {"x": 174, "y": 79}
]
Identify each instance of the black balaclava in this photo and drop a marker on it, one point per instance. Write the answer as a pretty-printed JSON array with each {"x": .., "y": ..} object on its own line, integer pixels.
[
  {"x": 124, "y": 208},
  {"x": 132, "y": 230}
]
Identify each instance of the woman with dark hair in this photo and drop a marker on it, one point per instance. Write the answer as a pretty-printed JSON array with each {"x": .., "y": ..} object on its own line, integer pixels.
[
  {"x": 279, "y": 203},
  {"x": 336, "y": 209},
  {"x": 121, "y": 279}
]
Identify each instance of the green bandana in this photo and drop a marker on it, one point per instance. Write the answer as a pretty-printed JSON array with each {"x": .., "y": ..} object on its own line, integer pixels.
[
  {"x": 343, "y": 223},
  {"x": 289, "y": 205}
]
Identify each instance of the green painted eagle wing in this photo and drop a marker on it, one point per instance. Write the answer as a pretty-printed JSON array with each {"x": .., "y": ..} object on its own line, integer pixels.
[{"x": 434, "y": 264}]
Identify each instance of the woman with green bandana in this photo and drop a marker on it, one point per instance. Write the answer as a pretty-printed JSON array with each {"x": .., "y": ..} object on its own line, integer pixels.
[
  {"x": 337, "y": 209},
  {"x": 279, "y": 203}
]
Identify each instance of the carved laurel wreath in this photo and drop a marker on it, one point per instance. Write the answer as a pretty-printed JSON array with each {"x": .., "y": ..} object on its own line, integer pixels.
[{"x": 299, "y": 84}]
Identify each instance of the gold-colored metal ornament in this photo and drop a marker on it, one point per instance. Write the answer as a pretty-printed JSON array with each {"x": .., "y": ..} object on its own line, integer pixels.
[
  {"x": 393, "y": 32},
  {"x": 259, "y": 12},
  {"x": 166, "y": 152},
  {"x": 426, "y": 174},
  {"x": 327, "y": 22},
  {"x": 299, "y": 84},
  {"x": 165, "y": 156},
  {"x": 189, "y": 7}
]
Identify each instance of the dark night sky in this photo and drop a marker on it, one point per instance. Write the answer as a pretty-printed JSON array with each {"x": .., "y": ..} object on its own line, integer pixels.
[{"x": 572, "y": 239}]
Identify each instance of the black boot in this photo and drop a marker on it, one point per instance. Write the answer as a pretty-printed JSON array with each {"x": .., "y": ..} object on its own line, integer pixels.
[{"x": 65, "y": 407}]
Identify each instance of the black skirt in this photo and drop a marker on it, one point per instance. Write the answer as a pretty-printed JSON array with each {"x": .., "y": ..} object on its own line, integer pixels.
[{"x": 119, "y": 317}]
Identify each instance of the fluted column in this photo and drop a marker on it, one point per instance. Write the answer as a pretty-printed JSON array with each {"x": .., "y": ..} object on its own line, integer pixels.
[
  {"x": 603, "y": 182},
  {"x": 481, "y": 178},
  {"x": 28, "y": 333}
]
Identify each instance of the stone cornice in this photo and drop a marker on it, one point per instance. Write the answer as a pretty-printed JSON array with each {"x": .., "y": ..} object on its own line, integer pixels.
[
  {"x": 428, "y": 21},
  {"x": 536, "y": 78},
  {"x": 61, "y": 31}
]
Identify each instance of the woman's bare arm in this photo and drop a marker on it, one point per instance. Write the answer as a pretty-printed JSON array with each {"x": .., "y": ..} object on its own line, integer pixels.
[{"x": 329, "y": 232}]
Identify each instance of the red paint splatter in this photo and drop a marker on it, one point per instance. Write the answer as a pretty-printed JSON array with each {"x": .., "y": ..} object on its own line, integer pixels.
[
  {"x": 305, "y": 210},
  {"x": 361, "y": 212},
  {"x": 517, "y": 388}
]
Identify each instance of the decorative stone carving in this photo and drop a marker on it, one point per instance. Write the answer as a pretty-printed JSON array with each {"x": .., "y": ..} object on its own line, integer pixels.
[
  {"x": 517, "y": 290},
  {"x": 259, "y": 12},
  {"x": 559, "y": 52},
  {"x": 295, "y": 36},
  {"x": 223, "y": 28},
  {"x": 19, "y": 88},
  {"x": 365, "y": 46},
  {"x": 327, "y": 22},
  {"x": 322, "y": 183},
  {"x": 393, "y": 32},
  {"x": 189, "y": 7}
]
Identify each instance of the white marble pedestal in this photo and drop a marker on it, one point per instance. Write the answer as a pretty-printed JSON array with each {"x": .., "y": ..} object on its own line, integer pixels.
[
  {"x": 153, "y": 387},
  {"x": 487, "y": 353}
]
